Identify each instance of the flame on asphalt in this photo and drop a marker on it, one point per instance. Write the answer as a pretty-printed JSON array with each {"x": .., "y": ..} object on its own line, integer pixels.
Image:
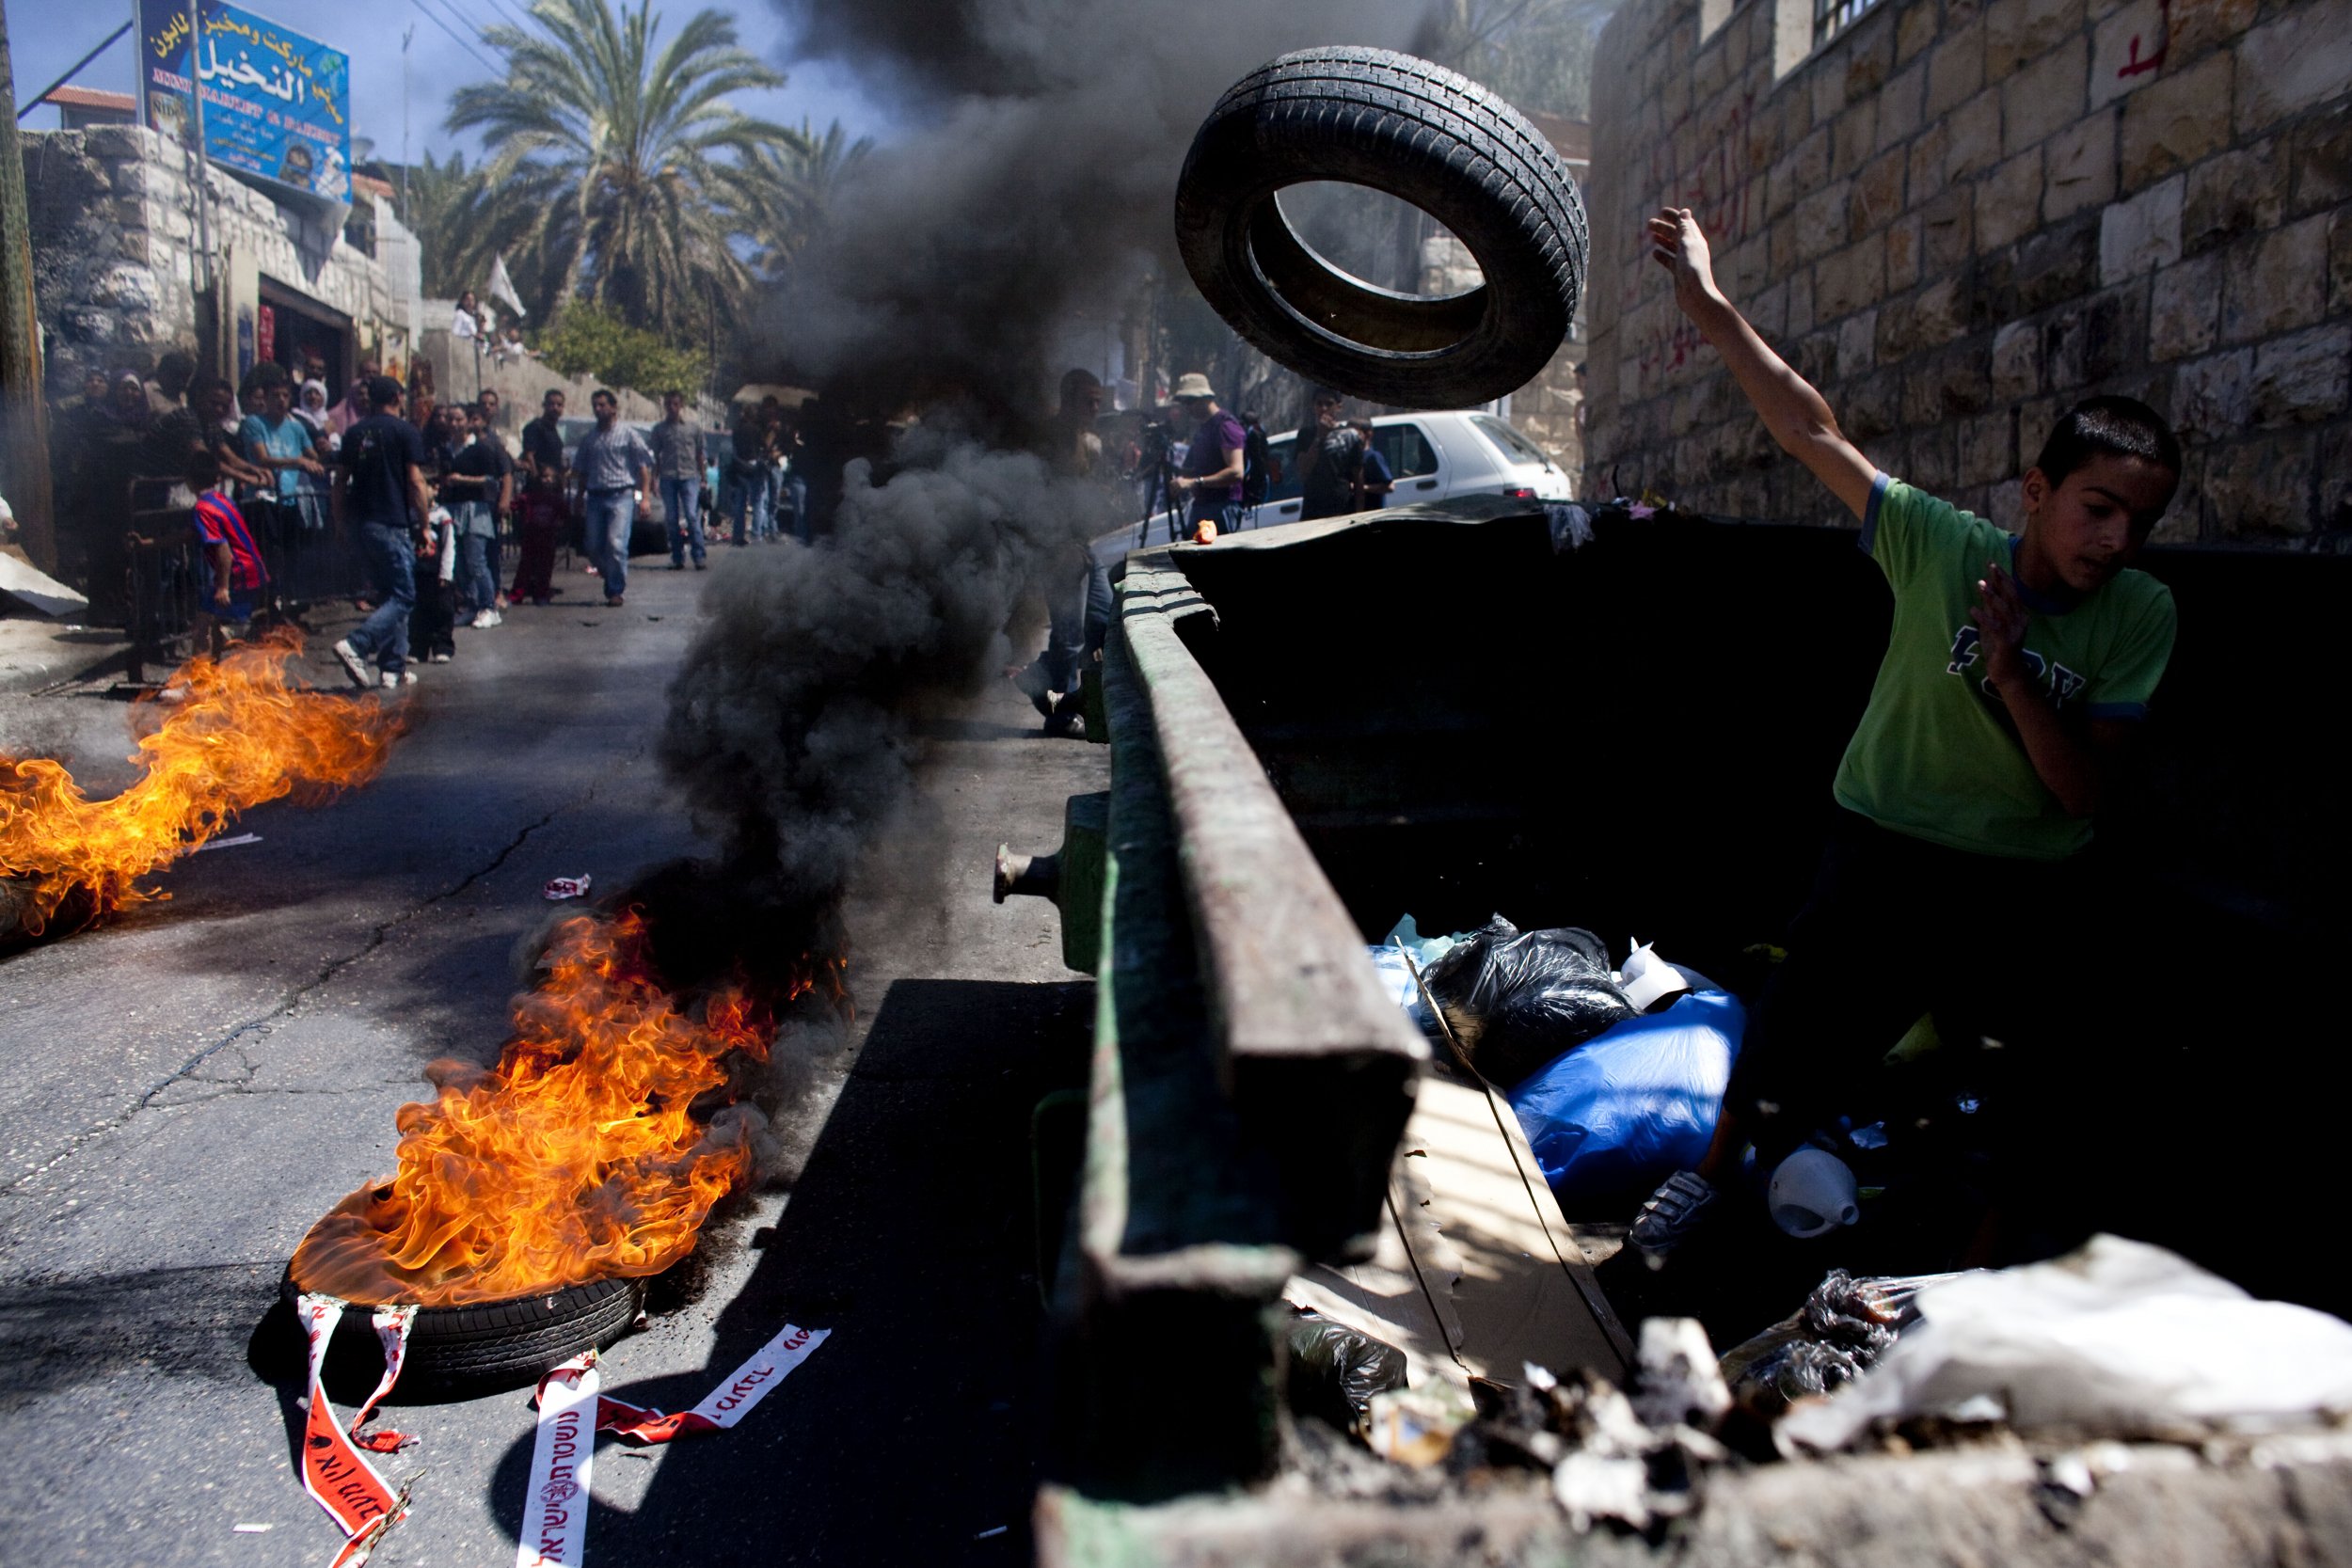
[
  {"x": 243, "y": 734},
  {"x": 590, "y": 1151}
]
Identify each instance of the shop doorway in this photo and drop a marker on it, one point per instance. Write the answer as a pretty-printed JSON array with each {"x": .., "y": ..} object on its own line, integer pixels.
[{"x": 305, "y": 336}]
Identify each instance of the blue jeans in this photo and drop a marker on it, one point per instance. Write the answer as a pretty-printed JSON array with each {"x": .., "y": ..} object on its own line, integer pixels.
[
  {"x": 750, "y": 506},
  {"x": 682, "y": 504},
  {"x": 798, "y": 488},
  {"x": 392, "y": 571},
  {"x": 477, "y": 537},
  {"x": 609, "y": 514},
  {"x": 764, "y": 504}
]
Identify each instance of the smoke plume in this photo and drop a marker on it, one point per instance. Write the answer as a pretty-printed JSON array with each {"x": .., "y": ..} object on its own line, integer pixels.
[
  {"x": 1042, "y": 174},
  {"x": 1034, "y": 186}
]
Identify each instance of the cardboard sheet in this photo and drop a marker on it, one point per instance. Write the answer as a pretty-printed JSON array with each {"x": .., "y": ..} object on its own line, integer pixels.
[{"x": 1476, "y": 1273}]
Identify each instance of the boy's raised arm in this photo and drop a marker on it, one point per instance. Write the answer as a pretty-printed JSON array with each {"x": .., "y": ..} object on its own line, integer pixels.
[{"x": 1793, "y": 411}]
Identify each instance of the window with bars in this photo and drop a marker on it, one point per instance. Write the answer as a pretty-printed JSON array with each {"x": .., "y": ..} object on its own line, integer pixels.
[{"x": 1833, "y": 17}]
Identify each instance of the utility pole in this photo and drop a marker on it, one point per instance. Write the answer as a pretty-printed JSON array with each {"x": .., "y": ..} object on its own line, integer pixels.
[
  {"x": 409, "y": 33},
  {"x": 212, "y": 328},
  {"x": 24, "y": 405}
]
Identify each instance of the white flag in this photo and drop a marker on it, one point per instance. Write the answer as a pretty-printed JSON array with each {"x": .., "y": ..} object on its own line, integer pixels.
[{"x": 502, "y": 287}]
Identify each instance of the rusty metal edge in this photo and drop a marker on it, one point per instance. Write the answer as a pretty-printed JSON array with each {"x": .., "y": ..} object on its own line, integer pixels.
[{"x": 1283, "y": 962}]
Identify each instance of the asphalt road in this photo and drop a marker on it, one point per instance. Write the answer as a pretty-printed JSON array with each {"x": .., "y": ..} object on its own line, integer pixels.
[{"x": 183, "y": 1092}]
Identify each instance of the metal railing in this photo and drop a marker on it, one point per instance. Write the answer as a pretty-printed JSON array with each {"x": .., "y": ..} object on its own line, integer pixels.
[{"x": 163, "y": 580}]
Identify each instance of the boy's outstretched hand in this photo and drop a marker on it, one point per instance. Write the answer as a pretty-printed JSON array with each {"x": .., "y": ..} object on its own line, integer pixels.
[
  {"x": 1676, "y": 245},
  {"x": 2000, "y": 618}
]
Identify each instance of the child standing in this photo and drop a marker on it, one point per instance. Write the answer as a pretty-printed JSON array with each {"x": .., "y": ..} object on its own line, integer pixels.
[
  {"x": 2015, "y": 671},
  {"x": 230, "y": 572}
]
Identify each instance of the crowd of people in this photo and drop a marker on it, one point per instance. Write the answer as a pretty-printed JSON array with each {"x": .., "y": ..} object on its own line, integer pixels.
[
  {"x": 291, "y": 496},
  {"x": 433, "y": 495}
]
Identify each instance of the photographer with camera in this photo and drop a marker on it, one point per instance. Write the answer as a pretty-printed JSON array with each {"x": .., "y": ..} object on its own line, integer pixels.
[{"x": 1210, "y": 481}]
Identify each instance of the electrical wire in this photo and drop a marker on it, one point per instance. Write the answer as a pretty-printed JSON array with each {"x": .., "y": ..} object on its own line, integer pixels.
[{"x": 456, "y": 39}]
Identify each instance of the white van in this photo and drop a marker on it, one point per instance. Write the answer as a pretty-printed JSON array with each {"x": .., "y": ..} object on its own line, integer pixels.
[{"x": 1464, "y": 452}]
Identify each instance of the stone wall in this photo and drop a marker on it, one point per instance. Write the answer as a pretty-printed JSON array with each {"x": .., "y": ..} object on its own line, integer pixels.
[
  {"x": 112, "y": 218},
  {"x": 1961, "y": 215}
]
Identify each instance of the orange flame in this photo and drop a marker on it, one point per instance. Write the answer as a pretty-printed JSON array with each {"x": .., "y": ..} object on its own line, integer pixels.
[
  {"x": 578, "y": 1157},
  {"x": 242, "y": 734}
]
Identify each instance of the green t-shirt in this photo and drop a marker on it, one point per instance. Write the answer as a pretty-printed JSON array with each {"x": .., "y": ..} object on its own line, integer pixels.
[{"x": 1935, "y": 755}]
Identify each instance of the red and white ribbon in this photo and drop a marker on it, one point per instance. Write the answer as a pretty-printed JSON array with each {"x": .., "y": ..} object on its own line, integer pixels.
[
  {"x": 571, "y": 1413},
  {"x": 555, "y": 1509},
  {"x": 334, "y": 1472},
  {"x": 724, "y": 1405}
]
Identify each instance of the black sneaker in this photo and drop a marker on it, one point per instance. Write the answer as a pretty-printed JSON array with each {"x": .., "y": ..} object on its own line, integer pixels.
[{"x": 1673, "y": 1212}]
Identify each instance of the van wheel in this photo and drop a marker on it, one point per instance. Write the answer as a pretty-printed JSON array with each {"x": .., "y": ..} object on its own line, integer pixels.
[
  {"x": 1421, "y": 134},
  {"x": 492, "y": 1345}
]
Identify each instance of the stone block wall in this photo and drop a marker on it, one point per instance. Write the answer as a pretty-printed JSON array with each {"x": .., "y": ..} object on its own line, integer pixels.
[
  {"x": 1959, "y": 217},
  {"x": 113, "y": 219}
]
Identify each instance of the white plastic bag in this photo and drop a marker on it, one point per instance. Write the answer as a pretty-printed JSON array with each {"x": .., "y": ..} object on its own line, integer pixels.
[{"x": 2120, "y": 1338}]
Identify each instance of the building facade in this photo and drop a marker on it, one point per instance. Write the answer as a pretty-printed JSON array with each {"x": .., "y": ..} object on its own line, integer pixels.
[
  {"x": 127, "y": 267},
  {"x": 1960, "y": 216}
]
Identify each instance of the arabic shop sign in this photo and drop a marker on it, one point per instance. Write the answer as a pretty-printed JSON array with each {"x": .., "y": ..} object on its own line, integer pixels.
[{"x": 276, "y": 104}]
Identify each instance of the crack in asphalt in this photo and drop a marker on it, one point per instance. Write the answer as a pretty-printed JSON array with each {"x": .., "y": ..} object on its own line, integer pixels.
[{"x": 289, "y": 1003}]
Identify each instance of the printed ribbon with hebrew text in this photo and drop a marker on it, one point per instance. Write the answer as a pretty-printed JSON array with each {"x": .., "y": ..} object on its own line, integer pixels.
[
  {"x": 334, "y": 1471},
  {"x": 571, "y": 1413}
]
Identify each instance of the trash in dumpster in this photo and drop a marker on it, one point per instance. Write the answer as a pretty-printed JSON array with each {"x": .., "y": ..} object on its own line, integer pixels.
[
  {"x": 1416, "y": 1426},
  {"x": 1334, "y": 1371},
  {"x": 1812, "y": 1192},
  {"x": 1516, "y": 999},
  {"x": 1635, "y": 1103},
  {"x": 1634, "y": 1460},
  {"x": 1844, "y": 1326},
  {"x": 2117, "y": 1339}
]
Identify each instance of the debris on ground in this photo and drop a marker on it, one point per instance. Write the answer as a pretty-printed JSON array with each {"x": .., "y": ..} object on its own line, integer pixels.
[{"x": 561, "y": 888}]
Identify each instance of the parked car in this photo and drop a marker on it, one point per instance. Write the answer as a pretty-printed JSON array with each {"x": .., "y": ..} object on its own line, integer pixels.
[
  {"x": 1458, "y": 451},
  {"x": 648, "y": 534}
]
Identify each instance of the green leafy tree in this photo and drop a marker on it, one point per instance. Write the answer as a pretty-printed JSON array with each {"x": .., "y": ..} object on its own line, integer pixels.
[
  {"x": 596, "y": 341},
  {"x": 636, "y": 172}
]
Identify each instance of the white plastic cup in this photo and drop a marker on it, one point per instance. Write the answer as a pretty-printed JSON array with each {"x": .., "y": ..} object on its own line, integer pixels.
[{"x": 1812, "y": 1192}]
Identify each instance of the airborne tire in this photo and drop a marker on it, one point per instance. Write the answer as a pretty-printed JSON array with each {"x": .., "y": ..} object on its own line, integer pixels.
[
  {"x": 495, "y": 1344},
  {"x": 1420, "y": 133}
]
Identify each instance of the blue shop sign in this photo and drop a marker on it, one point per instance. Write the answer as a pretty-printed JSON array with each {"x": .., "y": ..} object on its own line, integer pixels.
[{"x": 276, "y": 104}]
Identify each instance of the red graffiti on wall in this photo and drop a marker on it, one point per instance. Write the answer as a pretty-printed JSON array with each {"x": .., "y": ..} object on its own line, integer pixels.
[{"x": 2139, "y": 64}]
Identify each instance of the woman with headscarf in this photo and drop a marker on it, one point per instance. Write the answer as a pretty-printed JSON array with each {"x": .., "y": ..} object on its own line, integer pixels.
[{"x": 310, "y": 408}]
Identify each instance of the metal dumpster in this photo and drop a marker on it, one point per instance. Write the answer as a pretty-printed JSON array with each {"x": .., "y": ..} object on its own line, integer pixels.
[{"x": 1447, "y": 711}]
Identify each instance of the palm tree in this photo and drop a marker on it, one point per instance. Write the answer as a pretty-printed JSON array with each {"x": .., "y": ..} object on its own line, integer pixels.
[
  {"x": 630, "y": 157},
  {"x": 462, "y": 224},
  {"x": 781, "y": 195}
]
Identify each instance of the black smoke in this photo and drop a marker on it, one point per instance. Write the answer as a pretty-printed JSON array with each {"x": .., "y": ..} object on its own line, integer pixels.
[
  {"x": 1033, "y": 184},
  {"x": 1041, "y": 175}
]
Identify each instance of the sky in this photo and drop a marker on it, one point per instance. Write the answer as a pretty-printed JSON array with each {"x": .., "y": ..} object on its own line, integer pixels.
[{"x": 46, "y": 36}]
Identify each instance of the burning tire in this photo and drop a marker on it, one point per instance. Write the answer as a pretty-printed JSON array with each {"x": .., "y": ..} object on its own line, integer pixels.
[
  {"x": 502, "y": 1343},
  {"x": 1420, "y": 133}
]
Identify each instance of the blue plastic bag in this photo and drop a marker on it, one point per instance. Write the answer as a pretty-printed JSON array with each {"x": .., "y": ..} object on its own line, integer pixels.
[{"x": 1633, "y": 1104}]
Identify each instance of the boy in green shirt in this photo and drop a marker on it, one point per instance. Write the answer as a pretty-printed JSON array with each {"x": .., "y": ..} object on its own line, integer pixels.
[{"x": 2013, "y": 675}]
